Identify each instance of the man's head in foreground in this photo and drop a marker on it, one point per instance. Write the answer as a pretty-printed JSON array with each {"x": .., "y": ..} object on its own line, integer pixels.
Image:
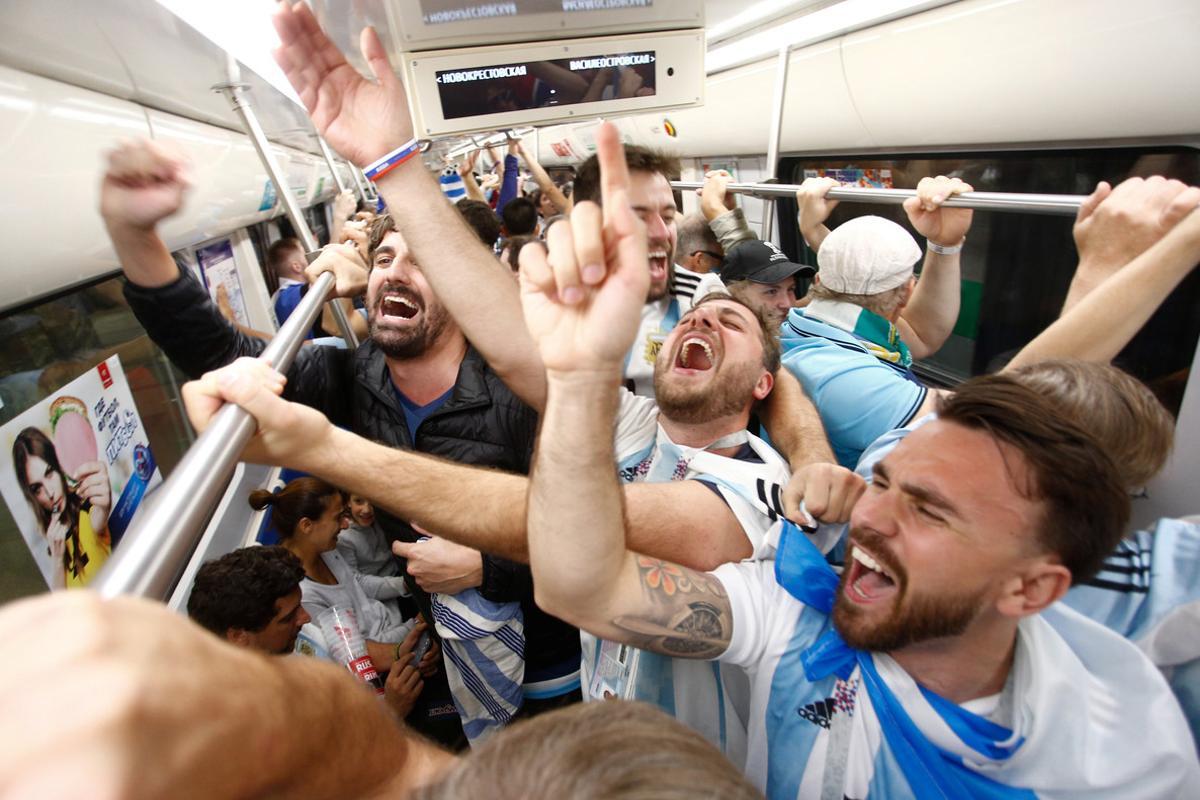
[
  {"x": 977, "y": 519},
  {"x": 653, "y": 201},
  {"x": 251, "y": 597},
  {"x": 718, "y": 361}
]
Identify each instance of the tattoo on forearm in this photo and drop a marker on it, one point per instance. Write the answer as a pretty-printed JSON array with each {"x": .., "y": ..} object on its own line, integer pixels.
[{"x": 688, "y": 613}]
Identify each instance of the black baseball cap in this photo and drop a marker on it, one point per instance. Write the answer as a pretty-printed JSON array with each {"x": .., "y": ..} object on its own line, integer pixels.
[{"x": 760, "y": 262}]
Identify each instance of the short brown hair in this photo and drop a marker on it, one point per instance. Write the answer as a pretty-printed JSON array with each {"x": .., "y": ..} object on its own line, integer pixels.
[
  {"x": 588, "y": 751},
  {"x": 381, "y": 226},
  {"x": 766, "y": 333},
  {"x": 1085, "y": 504},
  {"x": 278, "y": 252},
  {"x": 637, "y": 159},
  {"x": 1118, "y": 409}
]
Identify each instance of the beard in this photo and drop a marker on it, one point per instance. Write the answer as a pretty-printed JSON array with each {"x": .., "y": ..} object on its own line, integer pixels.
[
  {"x": 911, "y": 620},
  {"x": 413, "y": 341},
  {"x": 724, "y": 395}
]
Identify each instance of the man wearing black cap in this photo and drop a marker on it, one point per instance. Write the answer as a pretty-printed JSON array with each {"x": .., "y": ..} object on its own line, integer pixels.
[{"x": 764, "y": 278}]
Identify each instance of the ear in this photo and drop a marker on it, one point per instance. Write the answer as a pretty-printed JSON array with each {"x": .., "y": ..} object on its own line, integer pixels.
[
  {"x": 908, "y": 290},
  {"x": 237, "y": 636},
  {"x": 1041, "y": 585},
  {"x": 766, "y": 382}
]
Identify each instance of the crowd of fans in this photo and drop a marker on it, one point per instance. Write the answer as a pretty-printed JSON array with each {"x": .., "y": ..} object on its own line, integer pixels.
[{"x": 653, "y": 468}]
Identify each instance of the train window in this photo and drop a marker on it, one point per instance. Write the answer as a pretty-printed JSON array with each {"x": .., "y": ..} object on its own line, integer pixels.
[
  {"x": 52, "y": 342},
  {"x": 1017, "y": 267}
]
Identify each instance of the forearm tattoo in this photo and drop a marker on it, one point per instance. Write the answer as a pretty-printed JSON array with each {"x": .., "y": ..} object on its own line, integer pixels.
[{"x": 687, "y": 612}]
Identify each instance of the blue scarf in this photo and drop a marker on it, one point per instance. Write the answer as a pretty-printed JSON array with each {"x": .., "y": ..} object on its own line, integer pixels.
[{"x": 930, "y": 771}]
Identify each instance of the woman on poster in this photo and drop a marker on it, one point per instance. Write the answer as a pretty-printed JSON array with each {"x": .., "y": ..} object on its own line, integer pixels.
[{"x": 71, "y": 507}]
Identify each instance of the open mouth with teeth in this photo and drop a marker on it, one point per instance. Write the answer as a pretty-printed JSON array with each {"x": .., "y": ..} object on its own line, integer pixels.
[
  {"x": 695, "y": 354},
  {"x": 658, "y": 265},
  {"x": 398, "y": 306},
  {"x": 868, "y": 581}
]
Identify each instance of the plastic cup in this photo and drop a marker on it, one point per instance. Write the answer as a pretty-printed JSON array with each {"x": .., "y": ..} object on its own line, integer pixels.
[{"x": 347, "y": 645}]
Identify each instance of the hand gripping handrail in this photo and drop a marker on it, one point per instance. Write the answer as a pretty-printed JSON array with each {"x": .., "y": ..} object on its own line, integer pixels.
[
  {"x": 156, "y": 549},
  {"x": 1062, "y": 204}
]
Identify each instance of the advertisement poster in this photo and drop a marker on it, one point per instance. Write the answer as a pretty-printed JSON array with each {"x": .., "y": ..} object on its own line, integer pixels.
[
  {"x": 862, "y": 178},
  {"x": 218, "y": 270},
  {"x": 78, "y": 466},
  {"x": 728, "y": 166}
]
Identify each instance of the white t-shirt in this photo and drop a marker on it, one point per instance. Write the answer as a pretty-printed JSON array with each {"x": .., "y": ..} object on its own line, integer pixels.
[
  {"x": 377, "y": 621},
  {"x": 1077, "y": 701}
]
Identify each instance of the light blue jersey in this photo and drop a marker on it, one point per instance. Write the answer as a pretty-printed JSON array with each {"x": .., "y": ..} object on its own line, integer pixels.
[
  {"x": 858, "y": 395},
  {"x": 830, "y": 722}
]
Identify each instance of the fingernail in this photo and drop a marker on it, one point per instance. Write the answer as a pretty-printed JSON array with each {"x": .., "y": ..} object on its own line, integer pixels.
[
  {"x": 571, "y": 295},
  {"x": 593, "y": 273}
]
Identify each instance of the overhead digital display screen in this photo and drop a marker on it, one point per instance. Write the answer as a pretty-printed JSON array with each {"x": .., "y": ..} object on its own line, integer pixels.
[
  {"x": 501, "y": 88},
  {"x": 438, "y": 12}
]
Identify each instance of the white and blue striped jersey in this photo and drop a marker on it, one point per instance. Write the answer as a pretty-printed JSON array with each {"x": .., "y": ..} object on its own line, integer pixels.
[
  {"x": 1074, "y": 711},
  {"x": 710, "y": 699}
]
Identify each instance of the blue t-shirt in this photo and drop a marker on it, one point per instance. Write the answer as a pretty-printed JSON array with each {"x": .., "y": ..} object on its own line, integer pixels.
[
  {"x": 858, "y": 396},
  {"x": 414, "y": 414},
  {"x": 286, "y": 300}
]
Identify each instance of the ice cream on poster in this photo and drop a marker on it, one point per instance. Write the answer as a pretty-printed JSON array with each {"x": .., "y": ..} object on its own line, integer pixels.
[{"x": 80, "y": 466}]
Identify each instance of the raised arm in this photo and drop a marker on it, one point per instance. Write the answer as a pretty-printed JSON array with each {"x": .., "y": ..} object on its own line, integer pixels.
[
  {"x": 727, "y": 221},
  {"x": 549, "y": 188},
  {"x": 1115, "y": 226},
  {"x": 679, "y": 521},
  {"x": 365, "y": 120},
  {"x": 814, "y": 209},
  {"x": 145, "y": 183},
  {"x": 928, "y": 318},
  {"x": 582, "y": 570},
  {"x": 466, "y": 171},
  {"x": 1100, "y": 324}
]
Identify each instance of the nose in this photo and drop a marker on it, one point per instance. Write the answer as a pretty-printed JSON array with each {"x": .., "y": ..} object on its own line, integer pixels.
[
  {"x": 657, "y": 227},
  {"x": 302, "y": 618},
  {"x": 876, "y": 510},
  {"x": 705, "y": 316}
]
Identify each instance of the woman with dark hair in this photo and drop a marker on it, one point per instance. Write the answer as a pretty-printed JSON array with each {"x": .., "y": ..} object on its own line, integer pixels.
[
  {"x": 308, "y": 514},
  {"x": 71, "y": 510}
]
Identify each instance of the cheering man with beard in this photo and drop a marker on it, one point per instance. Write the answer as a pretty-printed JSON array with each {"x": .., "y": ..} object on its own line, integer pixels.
[
  {"x": 937, "y": 665},
  {"x": 715, "y": 365},
  {"x": 415, "y": 383}
]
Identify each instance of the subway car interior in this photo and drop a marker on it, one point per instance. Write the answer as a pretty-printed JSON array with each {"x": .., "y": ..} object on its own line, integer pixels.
[{"x": 1032, "y": 104}]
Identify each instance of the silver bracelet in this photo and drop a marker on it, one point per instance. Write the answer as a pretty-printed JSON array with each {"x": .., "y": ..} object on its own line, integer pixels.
[{"x": 941, "y": 250}]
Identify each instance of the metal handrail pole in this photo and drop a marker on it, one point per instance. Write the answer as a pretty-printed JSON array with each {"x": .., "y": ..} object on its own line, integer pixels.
[
  {"x": 1062, "y": 204},
  {"x": 156, "y": 549},
  {"x": 328, "y": 155},
  {"x": 235, "y": 92},
  {"x": 775, "y": 135},
  {"x": 360, "y": 181}
]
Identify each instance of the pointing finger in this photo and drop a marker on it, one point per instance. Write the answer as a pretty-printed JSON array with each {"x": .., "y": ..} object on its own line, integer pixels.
[{"x": 614, "y": 173}]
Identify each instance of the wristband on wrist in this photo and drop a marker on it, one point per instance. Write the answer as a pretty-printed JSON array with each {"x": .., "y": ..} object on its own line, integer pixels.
[
  {"x": 382, "y": 166},
  {"x": 942, "y": 250}
]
